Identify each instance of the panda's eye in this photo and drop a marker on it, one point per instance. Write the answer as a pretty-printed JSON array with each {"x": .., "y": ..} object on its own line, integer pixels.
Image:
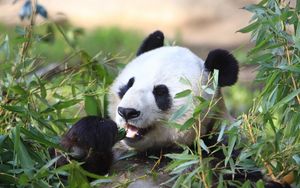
[
  {"x": 162, "y": 97},
  {"x": 160, "y": 90},
  {"x": 125, "y": 88}
]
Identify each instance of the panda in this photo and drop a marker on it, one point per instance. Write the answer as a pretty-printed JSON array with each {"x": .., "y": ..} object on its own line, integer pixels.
[{"x": 142, "y": 97}]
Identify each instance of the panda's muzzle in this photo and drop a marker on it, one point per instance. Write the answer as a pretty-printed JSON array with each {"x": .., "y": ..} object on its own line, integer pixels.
[{"x": 132, "y": 132}]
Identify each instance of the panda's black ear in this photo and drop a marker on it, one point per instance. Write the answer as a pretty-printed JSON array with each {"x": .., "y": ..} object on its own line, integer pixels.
[
  {"x": 154, "y": 40},
  {"x": 227, "y": 65}
]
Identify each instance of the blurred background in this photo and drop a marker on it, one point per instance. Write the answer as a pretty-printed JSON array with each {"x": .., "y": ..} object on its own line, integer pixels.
[
  {"x": 116, "y": 27},
  {"x": 197, "y": 22}
]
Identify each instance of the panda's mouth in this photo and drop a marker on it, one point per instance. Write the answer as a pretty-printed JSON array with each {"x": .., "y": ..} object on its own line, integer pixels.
[{"x": 133, "y": 132}]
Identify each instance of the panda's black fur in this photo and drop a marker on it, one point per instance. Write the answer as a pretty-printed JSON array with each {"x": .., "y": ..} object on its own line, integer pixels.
[
  {"x": 154, "y": 40},
  {"x": 90, "y": 140},
  {"x": 227, "y": 65}
]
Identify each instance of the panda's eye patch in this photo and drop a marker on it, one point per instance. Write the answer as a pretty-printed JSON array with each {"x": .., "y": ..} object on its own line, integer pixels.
[
  {"x": 125, "y": 88},
  {"x": 162, "y": 97},
  {"x": 160, "y": 90}
]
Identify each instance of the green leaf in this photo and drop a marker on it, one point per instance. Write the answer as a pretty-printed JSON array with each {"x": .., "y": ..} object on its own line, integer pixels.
[
  {"x": 296, "y": 158},
  {"x": 76, "y": 178},
  {"x": 187, "y": 124},
  {"x": 174, "y": 125},
  {"x": 4, "y": 47},
  {"x": 24, "y": 180},
  {"x": 65, "y": 104},
  {"x": 191, "y": 175},
  {"x": 180, "y": 112},
  {"x": 184, "y": 166},
  {"x": 182, "y": 156},
  {"x": 203, "y": 145},
  {"x": 21, "y": 151},
  {"x": 246, "y": 184},
  {"x": 19, "y": 90},
  {"x": 42, "y": 88},
  {"x": 289, "y": 68},
  {"x": 37, "y": 137},
  {"x": 208, "y": 90},
  {"x": 2, "y": 139},
  {"x": 185, "y": 81},
  {"x": 91, "y": 105},
  {"x": 200, "y": 108},
  {"x": 42, "y": 172},
  {"x": 262, "y": 58},
  {"x": 223, "y": 127},
  {"x": 262, "y": 44},
  {"x": 7, "y": 179},
  {"x": 17, "y": 109},
  {"x": 183, "y": 94},
  {"x": 249, "y": 28},
  {"x": 260, "y": 184},
  {"x": 231, "y": 143},
  {"x": 100, "y": 181},
  {"x": 121, "y": 133},
  {"x": 178, "y": 182},
  {"x": 286, "y": 99}
]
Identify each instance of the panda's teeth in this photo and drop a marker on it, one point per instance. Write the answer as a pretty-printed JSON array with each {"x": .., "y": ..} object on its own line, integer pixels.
[
  {"x": 135, "y": 132},
  {"x": 132, "y": 131}
]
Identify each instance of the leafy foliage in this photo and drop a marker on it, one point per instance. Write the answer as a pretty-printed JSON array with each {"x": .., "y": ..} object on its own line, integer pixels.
[
  {"x": 273, "y": 122},
  {"x": 38, "y": 105},
  {"x": 39, "y": 100},
  {"x": 270, "y": 130}
]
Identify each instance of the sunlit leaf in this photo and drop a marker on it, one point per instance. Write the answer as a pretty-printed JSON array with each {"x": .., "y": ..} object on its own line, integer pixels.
[
  {"x": 203, "y": 145},
  {"x": 183, "y": 94}
]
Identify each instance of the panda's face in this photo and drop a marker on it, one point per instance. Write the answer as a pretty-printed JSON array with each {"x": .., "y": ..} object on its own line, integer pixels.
[
  {"x": 141, "y": 104},
  {"x": 142, "y": 96}
]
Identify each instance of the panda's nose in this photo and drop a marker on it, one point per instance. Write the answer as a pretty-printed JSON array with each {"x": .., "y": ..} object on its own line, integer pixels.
[{"x": 128, "y": 113}]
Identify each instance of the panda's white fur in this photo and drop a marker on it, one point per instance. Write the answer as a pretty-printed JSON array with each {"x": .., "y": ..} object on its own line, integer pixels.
[{"x": 164, "y": 65}]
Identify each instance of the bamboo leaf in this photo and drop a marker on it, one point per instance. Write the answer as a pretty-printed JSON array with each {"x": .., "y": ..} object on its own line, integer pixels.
[
  {"x": 286, "y": 99},
  {"x": 180, "y": 112},
  {"x": 249, "y": 28},
  {"x": 91, "y": 105},
  {"x": 187, "y": 124},
  {"x": 65, "y": 104},
  {"x": 22, "y": 154},
  {"x": 231, "y": 144},
  {"x": 17, "y": 109},
  {"x": 183, "y": 94},
  {"x": 203, "y": 145}
]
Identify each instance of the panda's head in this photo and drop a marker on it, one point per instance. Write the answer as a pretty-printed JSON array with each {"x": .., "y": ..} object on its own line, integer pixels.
[{"x": 142, "y": 96}]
